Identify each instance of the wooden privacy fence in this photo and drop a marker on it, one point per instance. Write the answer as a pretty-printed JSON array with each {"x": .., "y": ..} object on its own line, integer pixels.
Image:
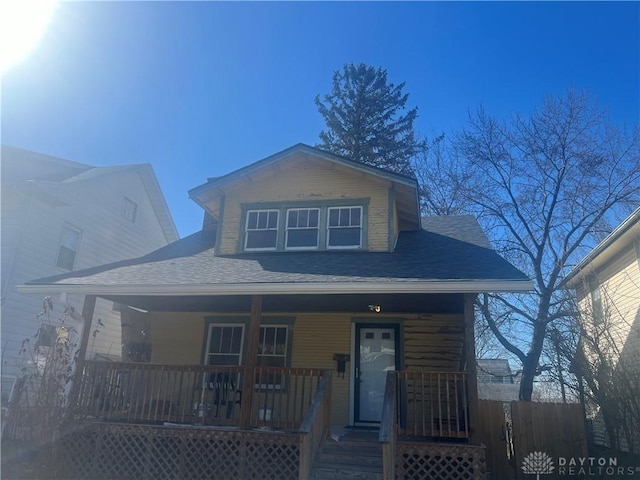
[{"x": 513, "y": 431}]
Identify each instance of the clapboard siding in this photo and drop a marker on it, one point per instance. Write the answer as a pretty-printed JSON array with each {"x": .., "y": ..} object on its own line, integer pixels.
[
  {"x": 316, "y": 339},
  {"x": 433, "y": 343},
  {"x": 619, "y": 281},
  {"x": 304, "y": 179},
  {"x": 94, "y": 207}
]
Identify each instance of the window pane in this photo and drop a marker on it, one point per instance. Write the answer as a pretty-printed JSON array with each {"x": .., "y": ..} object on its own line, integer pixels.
[
  {"x": 273, "y": 220},
  {"x": 344, "y": 217},
  {"x": 70, "y": 238},
  {"x": 66, "y": 258},
  {"x": 262, "y": 220},
  {"x": 214, "y": 344},
  {"x": 344, "y": 237},
  {"x": 236, "y": 340},
  {"x": 355, "y": 216},
  {"x": 225, "y": 343},
  {"x": 334, "y": 215},
  {"x": 303, "y": 218},
  {"x": 293, "y": 218},
  {"x": 262, "y": 239},
  {"x": 302, "y": 238},
  {"x": 313, "y": 217},
  {"x": 252, "y": 221}
]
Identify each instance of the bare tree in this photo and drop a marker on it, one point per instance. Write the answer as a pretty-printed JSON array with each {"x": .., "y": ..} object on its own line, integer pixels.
[
  {"x": 442, "y": 176},
  {"x": 545, "y": 188}
]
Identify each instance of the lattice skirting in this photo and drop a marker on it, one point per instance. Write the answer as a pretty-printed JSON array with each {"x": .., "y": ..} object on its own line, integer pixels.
[
  {"x": 439, "y": 462},
  {"x": 116, "y": 451}
]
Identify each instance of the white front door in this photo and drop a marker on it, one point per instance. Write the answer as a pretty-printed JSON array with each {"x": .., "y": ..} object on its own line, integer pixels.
[{"x": 376, "y": 354}]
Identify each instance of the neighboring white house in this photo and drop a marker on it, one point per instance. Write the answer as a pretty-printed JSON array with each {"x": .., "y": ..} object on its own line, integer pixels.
[
  {"x": 496, "y": 381},
  {"x": 58, "y": 215}
]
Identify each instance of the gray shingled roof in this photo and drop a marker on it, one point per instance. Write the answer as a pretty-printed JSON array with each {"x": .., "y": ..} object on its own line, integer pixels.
[{"x": 426, "y": 255}]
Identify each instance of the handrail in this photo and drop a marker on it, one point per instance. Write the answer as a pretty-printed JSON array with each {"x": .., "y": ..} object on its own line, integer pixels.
[
  {"x": 315, "y": 425},
  {"x": 388, "y": 431}
]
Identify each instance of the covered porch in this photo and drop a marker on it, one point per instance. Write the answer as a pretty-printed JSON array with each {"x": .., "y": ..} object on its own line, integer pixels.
[{"x": 193, "y": 420}]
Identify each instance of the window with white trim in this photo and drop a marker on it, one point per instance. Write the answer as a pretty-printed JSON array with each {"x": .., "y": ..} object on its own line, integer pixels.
[
  {"x": 224, "y": 346},
  {"x": 596, "y": 300},
  {"x": 344, "y": 227},
  {"x": 129, "y": 209},
  {"x": 272, "y": 352},
  {"x": 302, "y": 228},
  {"x": 68, "y": 249},
  {"x": 261, "y": 230}
]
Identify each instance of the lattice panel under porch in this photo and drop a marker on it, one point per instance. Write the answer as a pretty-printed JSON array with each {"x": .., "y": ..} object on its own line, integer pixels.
[
  {"x": 111, "y": 451},
  {"x": 439, "y": 462}
]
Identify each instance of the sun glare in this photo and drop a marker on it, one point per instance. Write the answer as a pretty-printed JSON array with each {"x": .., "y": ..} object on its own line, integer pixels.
[{"x": 22, "y": 24}]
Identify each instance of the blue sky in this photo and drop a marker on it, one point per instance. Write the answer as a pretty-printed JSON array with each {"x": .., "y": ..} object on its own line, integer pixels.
[{"x": 198, "y": 89}]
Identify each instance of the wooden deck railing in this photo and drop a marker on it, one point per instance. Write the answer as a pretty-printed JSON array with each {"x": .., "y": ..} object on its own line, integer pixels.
[
  {"x": 282, "y": 396},
  {"x": 388, "y": 428},
  {"x": 315, "y": 426},
  {"x": 433, "y": 404},
  {"x": 193, "y": 394},
  {"x": 142, "y": 392}
]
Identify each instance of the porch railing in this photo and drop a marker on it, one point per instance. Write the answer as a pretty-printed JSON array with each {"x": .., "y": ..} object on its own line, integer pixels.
[
  {"x": 193, "y": 394},
  {"x": 282, "y": 396},
  {"x": 315, "y": 426},
  {"x": 388, "y": 432},
  {"x": 432, "y": 404}
]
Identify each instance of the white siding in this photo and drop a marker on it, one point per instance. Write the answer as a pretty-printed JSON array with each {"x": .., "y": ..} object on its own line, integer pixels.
[{"x": 93, "y": 206}]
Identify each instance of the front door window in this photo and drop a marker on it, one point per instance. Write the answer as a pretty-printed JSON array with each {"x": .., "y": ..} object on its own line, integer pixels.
[{"x": 376, "y": 356}]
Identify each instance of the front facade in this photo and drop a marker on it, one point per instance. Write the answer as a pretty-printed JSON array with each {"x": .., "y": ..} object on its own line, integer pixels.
[
  {"x": 312, "y": 286},
  {"x": 60, "y": 216}
]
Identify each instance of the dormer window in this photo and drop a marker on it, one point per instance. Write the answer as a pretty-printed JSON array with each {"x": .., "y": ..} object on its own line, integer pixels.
[
  {"x": 305, "y": 225},
  {"x": 302, "y": 228},
  {"x": 261, "y": 231},
  {"x": 344, "y": 227}
]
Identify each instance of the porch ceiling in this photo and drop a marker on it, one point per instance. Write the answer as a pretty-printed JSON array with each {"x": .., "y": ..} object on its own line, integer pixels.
[{"x": 389, "y": 303}]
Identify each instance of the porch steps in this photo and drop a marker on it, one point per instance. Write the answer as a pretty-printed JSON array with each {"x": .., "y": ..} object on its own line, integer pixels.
[{"x": 357, "y": 456}]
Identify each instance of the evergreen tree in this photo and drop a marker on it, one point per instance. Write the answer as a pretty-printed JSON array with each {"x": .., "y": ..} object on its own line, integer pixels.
[{"x": 367, "y": 120}]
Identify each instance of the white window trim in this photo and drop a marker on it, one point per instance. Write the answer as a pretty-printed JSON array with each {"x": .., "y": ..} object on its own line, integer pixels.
[
  {"x": 66, "y": 226},
  {"x": 129, "y": 209},
  {"x": 247, "y": 230},
  {"x": 271, "y": 386},
  {"x": 287, "y": 229},
  {"x": 344, "y": 247},
  {"x": 207, "y": 352}
]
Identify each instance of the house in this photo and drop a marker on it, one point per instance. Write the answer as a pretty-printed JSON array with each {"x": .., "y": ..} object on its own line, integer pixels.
[
  {"x": 496, "y": 381},
  {"x": 60, "y": 216},
  {"x": 607, "y": 287},
  {"x": 313, "y": 297}
]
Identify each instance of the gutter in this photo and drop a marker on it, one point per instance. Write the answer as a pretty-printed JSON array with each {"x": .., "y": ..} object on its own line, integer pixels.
[{"x": 454, "y": 286}]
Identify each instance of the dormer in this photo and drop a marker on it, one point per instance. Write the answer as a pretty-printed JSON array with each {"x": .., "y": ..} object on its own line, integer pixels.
[{"x": 306, "y": 199}]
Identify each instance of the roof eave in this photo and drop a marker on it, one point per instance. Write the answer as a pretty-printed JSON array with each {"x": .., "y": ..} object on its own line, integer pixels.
[
  {"x": 194, "y": 193},
  {"x": 450, "y": 286}
]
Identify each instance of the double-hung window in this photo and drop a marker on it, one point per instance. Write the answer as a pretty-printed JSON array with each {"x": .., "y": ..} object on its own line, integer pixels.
[
  {"x": 68, "y": 249},
  {"x": 272, "y": 352},
  {"x": 261, "y": 232},
  {"x": 344, "y": 227},
  {"x": 225, "y": 344},
  {"x": 302, "y": 228}
]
